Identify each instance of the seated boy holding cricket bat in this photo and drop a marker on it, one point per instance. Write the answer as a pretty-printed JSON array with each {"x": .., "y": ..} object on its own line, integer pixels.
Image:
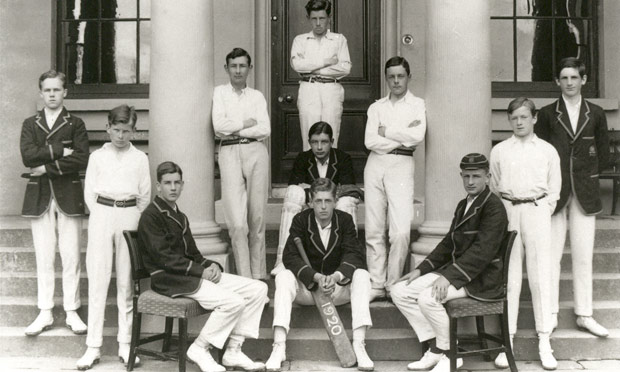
[{"x": 336, "y": 267}]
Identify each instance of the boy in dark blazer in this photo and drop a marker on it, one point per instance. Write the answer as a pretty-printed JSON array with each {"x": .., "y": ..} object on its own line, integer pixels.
[
  {"x": 54, "y": 145},
  {"x": 578, "y": 131},
  {"x": 467, "y": 262},
  {"x": 337, "y": 267}
]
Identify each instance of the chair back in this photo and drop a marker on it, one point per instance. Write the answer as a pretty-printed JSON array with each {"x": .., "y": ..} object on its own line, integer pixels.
[
  {"x": 506, "y": 248},
  {"x": 138, "y": 271}
]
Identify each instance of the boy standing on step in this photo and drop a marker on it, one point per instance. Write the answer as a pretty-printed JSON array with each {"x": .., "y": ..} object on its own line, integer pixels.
[
  {"x": 54, "y": 145},
  {"x": 578, "y": 131},
  {"x": 117, "y": 190},
  {"x": 525, "y": 173}
]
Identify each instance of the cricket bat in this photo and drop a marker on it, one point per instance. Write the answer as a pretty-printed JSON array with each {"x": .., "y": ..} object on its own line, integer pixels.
[{"x": 331, "y": 320}]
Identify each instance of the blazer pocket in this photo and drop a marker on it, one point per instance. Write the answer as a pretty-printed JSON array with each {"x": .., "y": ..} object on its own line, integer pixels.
[
  {"x": 588, "y": 138},
  {"x": 470, "y": 232}
]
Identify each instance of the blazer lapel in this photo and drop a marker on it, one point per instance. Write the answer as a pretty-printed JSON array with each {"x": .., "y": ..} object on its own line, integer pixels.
[
  {"x": 41, "y": 122},
  {"x": 315, "y": 237},
  {"x": 334, "y": 235},
  {"x": 562, "y": 117},
  {"x": 61, "y": 121},
  {"x": 332, "y": 169},
  {"x": 167, "y": 211},
  {"x": 473, "y": 209},
  {"x": 584, "y": 117},
  {"x": 312, "y": 169}
]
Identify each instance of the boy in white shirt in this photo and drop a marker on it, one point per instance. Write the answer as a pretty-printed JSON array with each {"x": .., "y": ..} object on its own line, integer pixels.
[{"x": 117, "y": 190}]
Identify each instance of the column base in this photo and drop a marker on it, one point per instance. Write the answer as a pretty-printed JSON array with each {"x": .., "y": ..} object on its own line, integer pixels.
[
  {"x": 207, "y": 237},
  {"x": 431, "y": 233}
]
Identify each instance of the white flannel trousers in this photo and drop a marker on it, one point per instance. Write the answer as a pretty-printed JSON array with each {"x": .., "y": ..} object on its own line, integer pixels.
[{"x": 319, "y": 102}]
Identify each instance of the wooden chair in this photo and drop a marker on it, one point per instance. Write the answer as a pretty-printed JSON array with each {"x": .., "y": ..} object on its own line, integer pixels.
[
  {"x": 469, "y": 307},
  {"x": 150, "y": 302},
  {"x": 613, "y": 173}
]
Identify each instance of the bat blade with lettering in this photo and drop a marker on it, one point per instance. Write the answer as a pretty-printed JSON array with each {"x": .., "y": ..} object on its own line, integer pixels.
[{"x": 331, "y": 320}]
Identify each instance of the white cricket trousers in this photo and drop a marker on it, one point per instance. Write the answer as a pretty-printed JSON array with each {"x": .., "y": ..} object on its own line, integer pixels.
[
  {"x": 44, "y": 238},
  {"x": 245, "y": 186},
  {"x": 427, "y": 316},
  {"x": 533, "y": 225},
  {"x": 289, "y": 289},
  {"x": 295, "y": 202},
  {"x": 388, "y": 183},
  {"x": 319, "y": 102},
  {"x": 237, "y": 304},
  {"x": 105, "y": 234},
  {"x": 581, "y": 232}
]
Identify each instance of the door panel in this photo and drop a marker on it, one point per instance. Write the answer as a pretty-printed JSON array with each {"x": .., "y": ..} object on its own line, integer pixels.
[{"x": 359, "y": 22}]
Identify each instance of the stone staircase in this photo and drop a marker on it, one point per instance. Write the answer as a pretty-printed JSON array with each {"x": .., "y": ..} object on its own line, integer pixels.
[{"x": 391, "y": 338}]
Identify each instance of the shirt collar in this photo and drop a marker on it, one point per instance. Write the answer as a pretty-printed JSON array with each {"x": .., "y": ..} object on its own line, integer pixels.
[
  {"x": 328, "y": 35},
  {"x": 318, "y": 162},
  {"x": 407, "y": 98},
  {"x": 318, "y": 224},
  {"x": 568, "y": 104},
  {"x": 108, "y": 146},
  {"x": 533, "y": 139},
  {"x": 232, "y": 89},
  {"x": 53, "y": 114}
]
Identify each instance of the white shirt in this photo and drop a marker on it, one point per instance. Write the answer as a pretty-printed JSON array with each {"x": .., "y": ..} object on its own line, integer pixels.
[
  {"x": 526, "y": 169},
  {"x": 118, "y": 176},
  {"x": 404, "y": 121},
  {"x": 470, "y": 201},
  {"x": 322, "y": 168},
  {"x": 324, "y": 233},
  {"x": 51, "y": 116},
  {"x": 308, "y": 53},
  {"x": 231, "y": 109},
  {"x": 573, "y": 112}
]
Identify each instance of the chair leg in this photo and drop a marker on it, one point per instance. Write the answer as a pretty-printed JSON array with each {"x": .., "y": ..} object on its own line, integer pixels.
[
  {"x": 481, "y": 340},
  {"x": 135, "y": 338},
  {"x": 614, "y": 196},
  {"x": 168, "y": 334},
  {"x": 507, "y": 344},
  {"x": 182, "y": 343},
  {"x": 453, "y": 352}
]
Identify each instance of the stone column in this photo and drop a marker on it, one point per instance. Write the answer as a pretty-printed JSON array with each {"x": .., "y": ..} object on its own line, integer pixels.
[
  {"x": 181, "y": 88},
  {"x": 458, "y": 107}
]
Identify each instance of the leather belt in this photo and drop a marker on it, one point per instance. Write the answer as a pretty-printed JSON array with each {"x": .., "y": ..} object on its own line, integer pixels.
[
  {"x": 318, "y": 79},
  {"x": 517, "y": 201},
  {"x": 116, "y": 203},
  {"x": 401, "y": 152},
  {"x": 237, "y": 141}
]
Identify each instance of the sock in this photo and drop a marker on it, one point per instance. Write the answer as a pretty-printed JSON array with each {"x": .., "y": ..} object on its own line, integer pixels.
[
  {"x": 432, "y": 346},
  {"x": 359, "y": 334},
  {"x": 279, "y": 335},
  {"x": 235, "y": 341},
  {"x": 202, "y": 342}
]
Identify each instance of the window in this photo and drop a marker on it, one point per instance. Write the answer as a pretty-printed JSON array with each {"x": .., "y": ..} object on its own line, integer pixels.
[
  {"x": 104, "y": 47},
  {"x": 529, "y": 38}
]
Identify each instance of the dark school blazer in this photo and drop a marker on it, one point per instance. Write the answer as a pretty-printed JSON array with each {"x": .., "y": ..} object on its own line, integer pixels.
[
  {"x": 339, "y": 170},
  {"x": 41, "y": 146},
  {"x": 583, "y": 155},
  {"x": 343, "y": 253},
  {"x": 169, "y": 251},
  {"x": 469, "y": 255}
]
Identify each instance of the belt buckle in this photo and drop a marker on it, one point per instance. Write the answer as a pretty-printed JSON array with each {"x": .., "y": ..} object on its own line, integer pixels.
[
  {"x": 120, "y": 203},
  {"x": 244, "y": 140}
]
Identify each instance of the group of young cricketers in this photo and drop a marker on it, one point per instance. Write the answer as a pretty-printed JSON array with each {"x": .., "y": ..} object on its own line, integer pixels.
[{"x": 545, "y": 173}]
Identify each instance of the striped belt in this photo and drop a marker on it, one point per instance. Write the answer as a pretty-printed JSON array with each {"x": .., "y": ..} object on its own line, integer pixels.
[
  {"x": 517, "y": 201},
  {"x": 237, "y": 141},
  {"x": 318, "y": 79},
  {"x": 116, "y": 203},
  {"x": 401, "y": 152}
]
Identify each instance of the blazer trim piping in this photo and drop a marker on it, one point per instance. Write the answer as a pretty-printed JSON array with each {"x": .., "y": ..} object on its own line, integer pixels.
[
  {"x": 64, "y": 122},
  {"x": 37, "y": 120},
  {"x": 333, "y": 237},
  {"x": 462, "y": 271}
]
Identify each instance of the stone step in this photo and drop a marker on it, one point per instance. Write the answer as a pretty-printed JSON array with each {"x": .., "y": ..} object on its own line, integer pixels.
[
  {"x": 313, "y": 344},
  {"x": 605, "y": 287},
  {"x": 25, "y": 284}
]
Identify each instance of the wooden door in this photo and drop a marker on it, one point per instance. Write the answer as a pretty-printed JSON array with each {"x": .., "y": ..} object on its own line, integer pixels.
[{"x": 359, "y": 22}]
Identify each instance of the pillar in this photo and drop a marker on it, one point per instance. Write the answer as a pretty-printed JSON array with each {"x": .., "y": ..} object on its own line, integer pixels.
[
  {"x": 458, "y": 107},
  {"x": 181, "y": 89}
]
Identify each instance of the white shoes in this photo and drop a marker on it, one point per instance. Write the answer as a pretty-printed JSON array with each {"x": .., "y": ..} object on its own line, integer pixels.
[
  {"x": 278, "y": 268},
  {"x": 89, "y": 359},
  {"x": 501, "y": 361},
  {"x": 546, "y": 354},
  {"x": 428, "y": 361},
  {"x": 43, "y": 322},
  {"x": 202, "y": 357},
  {"x": 444, "y": 364},
  {"x": 588, "y": 323},
  {"x": 234, "y": 358},
  {"x": 123, "y": 354},
  {"x": 364, "y": 363},
  {"x": 75, "y": 324},
  {"x": 278, "y": 355}
]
